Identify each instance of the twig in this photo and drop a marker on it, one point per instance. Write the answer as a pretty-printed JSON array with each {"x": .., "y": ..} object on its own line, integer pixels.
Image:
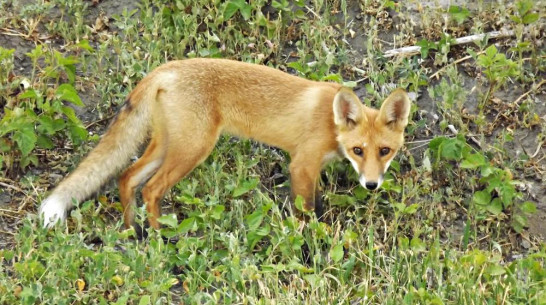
[
  {"x": 6, "y": 232},
  {"x": 358, "y": 81},
  {"x": 11, "y": 32},
  {"x": 418, "y": 141},
  {"x": 462, "y": 40},
  {"x": 8, "y": 211},
  {"x": 417, "y": 147},
  {"x": 13, "y": 187},
  {"x": 358, "y": 70},
  {"x": 313, "y": 12},
  {"x": 516, "y": 103},
  {"x": 425, "y": 142},
  {"x": 26, "y": 201},
  {"x": 542, "y": 82},
  {"x": 17, "y": 189},
  {"x": 99, "y": 121},
  {"x": 538, "y": 150},
  {"x": 428, "y": 140},
  {"x": 458, "y": 61}
]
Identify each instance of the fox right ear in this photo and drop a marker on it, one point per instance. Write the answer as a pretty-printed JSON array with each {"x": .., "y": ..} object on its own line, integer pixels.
[
  {"x": 395, "y": 109},
  {"x": 347, "y": 109}
]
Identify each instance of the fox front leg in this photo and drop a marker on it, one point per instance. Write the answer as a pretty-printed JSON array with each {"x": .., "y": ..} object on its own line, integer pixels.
[{"x": 304, "y": 177}]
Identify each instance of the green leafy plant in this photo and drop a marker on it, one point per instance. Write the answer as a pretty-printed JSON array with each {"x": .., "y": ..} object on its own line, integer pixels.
[
  {"x": 39, "y": 115},
  {"x": 524, "y": 12},
  {"x": 497, "y": 68},
  {"x": 497, "y": 193},
  {"x": 460, "y": 14},
  {"x": 443, "y": 46},
  {"x": 234, "y": 6},
  {"x": 426, "y": 46},
  {"x": 451, "y": 97},
  {"x": 317, "y": 70},
  {"x": 523, "y": 16},
  {"x": 6, "y": 61},
  {"x": 71, "y": 23}
]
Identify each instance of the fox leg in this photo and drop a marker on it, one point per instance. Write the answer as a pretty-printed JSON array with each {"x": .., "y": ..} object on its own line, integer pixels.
[
  {"x": 184, "y": 153},
  {"x": 137, "y": 174},
  {"x": 319, "y": 208},
  {"x": 304, "y": 173}
]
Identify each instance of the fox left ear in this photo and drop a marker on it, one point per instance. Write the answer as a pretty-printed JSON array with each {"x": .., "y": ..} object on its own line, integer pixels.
[
  {"x": 395, "y": 110},
  {"x": 347, "y": 109}
]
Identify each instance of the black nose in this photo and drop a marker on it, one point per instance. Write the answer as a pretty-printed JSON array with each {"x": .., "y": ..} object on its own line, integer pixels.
[{"x": 371, "y": 185}]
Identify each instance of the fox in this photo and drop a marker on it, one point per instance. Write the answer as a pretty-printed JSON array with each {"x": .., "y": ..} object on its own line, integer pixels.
[{"x": 181, "y": 108}]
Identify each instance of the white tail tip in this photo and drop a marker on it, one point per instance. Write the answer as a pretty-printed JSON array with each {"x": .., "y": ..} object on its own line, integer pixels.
[{"x": 52, "y": 210}]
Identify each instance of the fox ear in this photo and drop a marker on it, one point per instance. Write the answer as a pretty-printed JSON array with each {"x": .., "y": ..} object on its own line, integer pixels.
[
  {"x": 395, "y": 110},
  {"x": 347, "y": 109}
]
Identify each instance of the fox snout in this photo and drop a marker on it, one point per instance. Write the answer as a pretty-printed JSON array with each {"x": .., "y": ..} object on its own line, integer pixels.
[{"x": 371, "y": 184}]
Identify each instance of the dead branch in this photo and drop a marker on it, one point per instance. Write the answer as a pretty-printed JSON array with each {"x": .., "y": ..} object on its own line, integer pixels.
[
  {"x": 13, "y": 187},
  {"x": 528, "y": 92},
  {"x": 458, "y": 61},
  {"x": 406, "y": 51}
]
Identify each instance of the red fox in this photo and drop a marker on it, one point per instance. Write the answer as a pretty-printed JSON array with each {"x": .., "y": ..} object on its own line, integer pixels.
[{"x": 183, "y": 106}]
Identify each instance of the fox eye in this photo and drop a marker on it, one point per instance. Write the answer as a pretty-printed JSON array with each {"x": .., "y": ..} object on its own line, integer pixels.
[
  {"x": 357, "y": 151},
  {"x": 384, "y": 151}
]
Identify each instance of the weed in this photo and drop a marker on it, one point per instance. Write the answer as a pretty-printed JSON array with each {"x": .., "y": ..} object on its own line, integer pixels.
[
  {"x": 499, "y": 192},
  {"x": 459, "y": 14},
  {"x": 523, "y": 16},
  {"x": 6, "y": 60},
  {"x": 451, "y": 96},
  {"x": 37, "y": 115}
]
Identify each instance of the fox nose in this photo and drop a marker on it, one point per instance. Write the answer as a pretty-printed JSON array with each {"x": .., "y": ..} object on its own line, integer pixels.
[{"x": 371, "y": 185}]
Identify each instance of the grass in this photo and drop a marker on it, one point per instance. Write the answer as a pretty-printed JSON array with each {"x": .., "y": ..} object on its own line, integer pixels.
[{"x": 450, "y": 225}]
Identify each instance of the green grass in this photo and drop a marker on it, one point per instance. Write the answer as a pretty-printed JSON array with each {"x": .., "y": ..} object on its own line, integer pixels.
[{"x": 450, "y": 225}]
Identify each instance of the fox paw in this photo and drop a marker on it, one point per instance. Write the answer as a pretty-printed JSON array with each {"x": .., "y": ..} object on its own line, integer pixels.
[{"x": 52, "y": 210}]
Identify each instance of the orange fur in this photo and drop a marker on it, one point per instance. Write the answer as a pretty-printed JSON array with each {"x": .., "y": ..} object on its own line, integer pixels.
[{"x": 184, "y": 106}]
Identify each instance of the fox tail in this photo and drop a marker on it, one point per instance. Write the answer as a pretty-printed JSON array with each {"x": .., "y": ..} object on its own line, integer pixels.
[{"x": 123, "y": 139}]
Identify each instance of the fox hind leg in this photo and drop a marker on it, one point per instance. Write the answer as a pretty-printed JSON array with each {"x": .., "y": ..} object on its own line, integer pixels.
[
  {"x": 136, "y": 175},
  {"x": 319, "y": 207},
  {"x": 183, "y": 155}
]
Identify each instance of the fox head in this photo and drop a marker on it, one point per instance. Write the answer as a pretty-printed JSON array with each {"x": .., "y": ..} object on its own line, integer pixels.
[{"x": 370, "y": 138}]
